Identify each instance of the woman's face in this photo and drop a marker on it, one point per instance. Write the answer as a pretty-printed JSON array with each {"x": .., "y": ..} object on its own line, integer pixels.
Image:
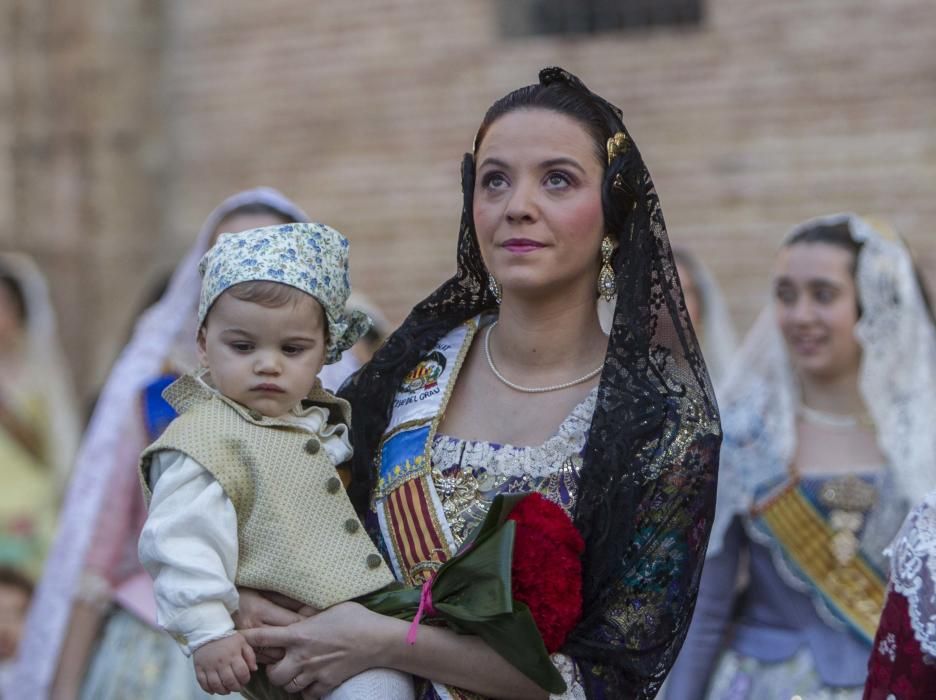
[
  {"x": 537, "y": 204},
  {"x": 817, "y": 309},
  {"x": 235, "y": 223}
]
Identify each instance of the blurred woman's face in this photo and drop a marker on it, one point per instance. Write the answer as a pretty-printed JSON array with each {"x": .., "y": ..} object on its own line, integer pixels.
[
  {"x": 537, "y": 204},
  {"x": 11, "y": 325},
  {"x": 817, "y": 309},
  {"x": 235, "y": 223}
]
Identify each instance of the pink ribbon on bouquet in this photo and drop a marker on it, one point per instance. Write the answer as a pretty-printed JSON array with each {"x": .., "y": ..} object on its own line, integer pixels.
[{"x": 425, "y": 608}]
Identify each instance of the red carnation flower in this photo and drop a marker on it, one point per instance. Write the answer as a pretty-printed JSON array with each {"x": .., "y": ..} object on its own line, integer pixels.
[
  {"x": 517, "y": 586},
  {"x": 547, "y": 567}
]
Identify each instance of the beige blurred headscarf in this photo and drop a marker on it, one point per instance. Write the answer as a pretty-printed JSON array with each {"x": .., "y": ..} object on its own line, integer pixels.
[{"x": 42, "y": 370}]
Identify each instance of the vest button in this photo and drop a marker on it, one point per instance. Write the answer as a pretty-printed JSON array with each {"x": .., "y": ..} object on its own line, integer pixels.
[
  {"x": 351, "y": 525},
  {"x": 255, "y": 415},
  {"x": 333, "y": 485},
  {"x": 373, "y": 561},
  {"x": 312, "y": 446}
]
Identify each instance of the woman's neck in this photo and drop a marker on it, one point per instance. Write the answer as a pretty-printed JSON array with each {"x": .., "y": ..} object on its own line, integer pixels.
[
  {"x": 548, "y": 335},
  {"x": 838, "y": 395}
]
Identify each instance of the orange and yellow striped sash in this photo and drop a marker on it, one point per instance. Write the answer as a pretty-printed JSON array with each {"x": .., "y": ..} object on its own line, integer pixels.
[{"x": 855, "y": 591}]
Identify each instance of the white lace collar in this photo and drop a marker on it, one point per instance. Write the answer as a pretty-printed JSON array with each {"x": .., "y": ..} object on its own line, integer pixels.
[
  {"x": 508, "y": 460},
  {"x": 913, "y": 570}
]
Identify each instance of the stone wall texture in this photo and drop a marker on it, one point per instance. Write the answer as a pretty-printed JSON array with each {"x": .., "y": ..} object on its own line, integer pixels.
[{"x": 122, "y": 124}]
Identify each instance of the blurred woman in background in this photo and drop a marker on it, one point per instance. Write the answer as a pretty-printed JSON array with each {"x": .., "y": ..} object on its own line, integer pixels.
[
  {"x": 91, "y": 628},
  {"x": 38, "y": 419},
  {"x": 828, "y": 439},
  {"x": 39, "y": 427},
  {"x": 352, "y": 360},
  {"x": 708, "y": 312}
]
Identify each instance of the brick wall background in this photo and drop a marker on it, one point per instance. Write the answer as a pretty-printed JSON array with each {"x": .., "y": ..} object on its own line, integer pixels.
[{"x": 123, "y": 123}]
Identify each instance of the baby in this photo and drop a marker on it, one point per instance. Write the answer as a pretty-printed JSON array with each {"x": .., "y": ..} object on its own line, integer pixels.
[{"x": 242, "y": 487}]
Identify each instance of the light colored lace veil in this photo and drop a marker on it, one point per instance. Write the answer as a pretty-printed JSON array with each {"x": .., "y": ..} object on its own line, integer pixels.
[{"x": 897, "y": 380}]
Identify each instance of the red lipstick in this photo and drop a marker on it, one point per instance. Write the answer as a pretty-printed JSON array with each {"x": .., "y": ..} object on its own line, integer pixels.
[{"x": 521, "y": 245}]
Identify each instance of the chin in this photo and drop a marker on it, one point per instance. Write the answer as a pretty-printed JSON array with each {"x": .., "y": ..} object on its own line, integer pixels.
[
  {"x": 817, "y": 368},
  {"x": 267, "y": 408}
]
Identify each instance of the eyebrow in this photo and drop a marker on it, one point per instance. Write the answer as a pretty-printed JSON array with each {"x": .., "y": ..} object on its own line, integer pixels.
[
  {"x": 551, "y": 163},
  {"x": 811, "y": 282},
  {"x": 236, "y": 330},
  {"x": 299, "y": 339}
]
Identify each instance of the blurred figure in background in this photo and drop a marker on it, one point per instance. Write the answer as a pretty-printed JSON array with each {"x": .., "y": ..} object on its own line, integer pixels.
[
  {"x": 15, "y": 592},
  {"x": 708, "y": 312},
  {"x": 38, "y": 436},
  {"x": 38, "y": 419},
  {"x": 828, "y": 440},
  {"x": 352, "y": 360},
  {"x": 91, "y": 628},
  {"x": 903, "y": 658}
]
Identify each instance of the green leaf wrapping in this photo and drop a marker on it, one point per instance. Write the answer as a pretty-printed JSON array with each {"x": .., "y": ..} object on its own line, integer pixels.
[{"x": 472, "y": 594}]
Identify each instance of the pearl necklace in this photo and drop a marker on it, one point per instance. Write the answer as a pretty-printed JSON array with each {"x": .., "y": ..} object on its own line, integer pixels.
[
  {"x": 839, "y": 421},
  {"x": 525, "y": 389}
]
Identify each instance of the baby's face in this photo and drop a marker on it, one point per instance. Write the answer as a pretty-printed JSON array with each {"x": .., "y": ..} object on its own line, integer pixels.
[{"x": 264, "y": 358}]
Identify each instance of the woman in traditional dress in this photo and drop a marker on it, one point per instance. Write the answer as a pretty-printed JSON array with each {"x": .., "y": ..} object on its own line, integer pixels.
[
  {"x": 903, "y": 658},
  {"x": 503, "y": 381},
  {"x": 38, "y": 438},
  {"x": 91, "y": 628},
  {"x": 708, "y": 313},
  {"x": 828, "y": 440},
  {"x": 38, "y": 420}
]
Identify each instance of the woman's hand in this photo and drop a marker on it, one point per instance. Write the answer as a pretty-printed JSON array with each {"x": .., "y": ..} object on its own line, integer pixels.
[
  {"x": 323, "y": 651},
  {"x": 258, "y": 609}
]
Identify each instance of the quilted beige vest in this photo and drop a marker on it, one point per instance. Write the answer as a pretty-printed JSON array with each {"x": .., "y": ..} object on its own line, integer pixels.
[{"x": 297, "y": 531}]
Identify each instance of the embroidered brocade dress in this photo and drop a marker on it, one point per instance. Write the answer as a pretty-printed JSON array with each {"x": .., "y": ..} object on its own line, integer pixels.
[
  {"x": 903, "y": 660},
  {"x": 430, "y": 491},
  {"x": 785, "y": 641},
  {"x": 469, "y": 474}
]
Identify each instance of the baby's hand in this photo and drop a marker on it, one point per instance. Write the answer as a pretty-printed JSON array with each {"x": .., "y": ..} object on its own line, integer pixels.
[{"x": 224, "y": 665}]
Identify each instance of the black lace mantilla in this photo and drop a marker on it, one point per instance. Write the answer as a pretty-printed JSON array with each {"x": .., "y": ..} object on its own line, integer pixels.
[{"x": 647, "y": 491}]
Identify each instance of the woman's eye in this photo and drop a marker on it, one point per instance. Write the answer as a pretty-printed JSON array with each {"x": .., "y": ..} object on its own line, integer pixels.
[
  {"x": 558, "y": 180},
  {"x": 825, "y": 295},
  {"x": 494, "y": 181}
]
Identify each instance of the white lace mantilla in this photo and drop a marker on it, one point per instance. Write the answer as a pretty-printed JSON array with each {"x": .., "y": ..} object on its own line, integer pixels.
[
  {"x": 537, "y": 462},
  {"x": 897, "y": 381},
  {"x": 913, "y": 570}
]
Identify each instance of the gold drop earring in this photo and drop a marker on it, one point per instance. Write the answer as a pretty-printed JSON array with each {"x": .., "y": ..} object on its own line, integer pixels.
[
  {"x": 495, "y": 288},
  {"x": 606, "y": 286}
]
